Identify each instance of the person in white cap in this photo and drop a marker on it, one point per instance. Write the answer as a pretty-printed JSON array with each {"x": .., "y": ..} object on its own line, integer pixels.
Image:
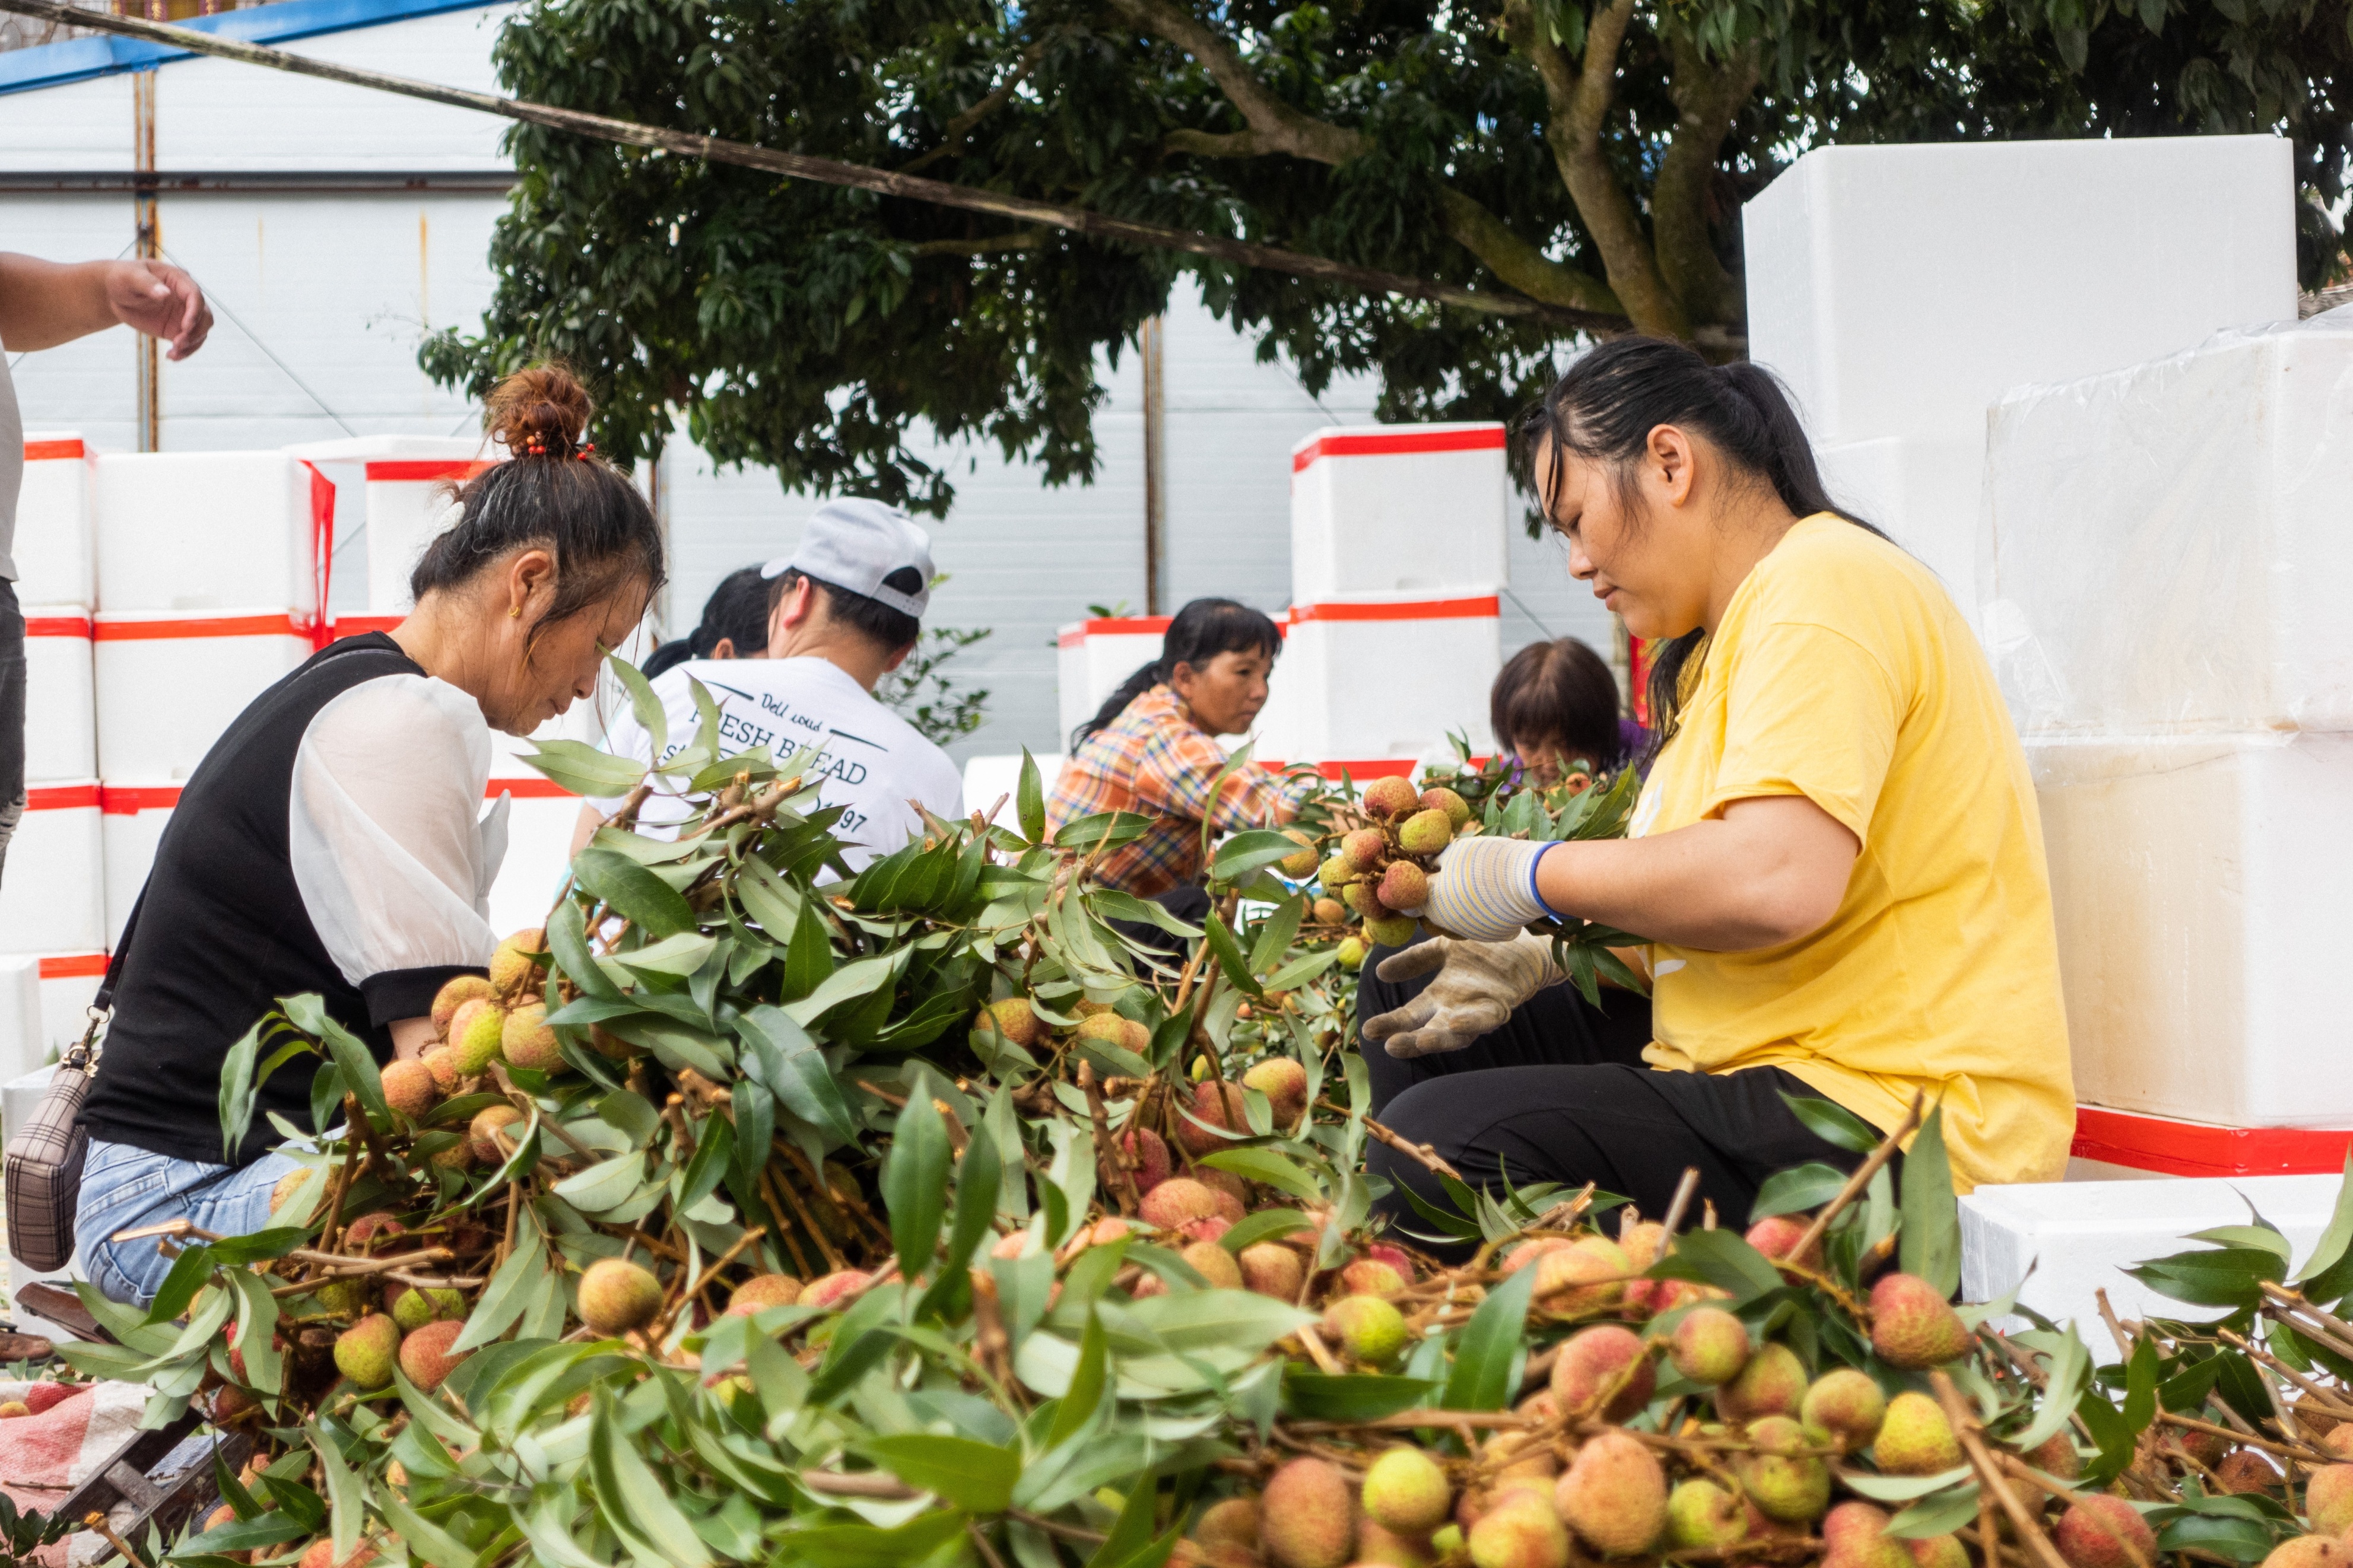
[{"x": 844, "y": 610}]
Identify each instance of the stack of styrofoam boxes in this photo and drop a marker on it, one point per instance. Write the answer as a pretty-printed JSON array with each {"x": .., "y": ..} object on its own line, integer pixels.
[
  {"x": 52, "y": 919},
  {"x": 207, "y": 572},
  {"x": 1899, "y": 291},
  {"x": 389, "y": 491},
  {"x": 2170, "y": 563},
  {"x": 1398, "y": 553},
  {"x": 1092, "y": 658}
]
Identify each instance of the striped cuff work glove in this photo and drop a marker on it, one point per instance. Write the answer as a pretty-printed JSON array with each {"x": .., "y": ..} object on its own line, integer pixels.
[
  {"x": 1474, "y": 989},
  {"x": 1485, "y": 889}
]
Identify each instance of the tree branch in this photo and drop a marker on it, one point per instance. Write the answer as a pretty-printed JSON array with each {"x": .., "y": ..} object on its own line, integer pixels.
[
  {"x": 1707, "y": 95},
  {"x": 952, "y": 134},
  {"x": 1579, "y": 97},
  {"x": 1028, "y": 239},
  {"x": 1518, "y": 263},
  {"x": 1276, "y": 126}
]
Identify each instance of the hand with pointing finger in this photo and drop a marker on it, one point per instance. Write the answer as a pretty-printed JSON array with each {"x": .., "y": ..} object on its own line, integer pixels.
[{"x": 162, "y": 301}]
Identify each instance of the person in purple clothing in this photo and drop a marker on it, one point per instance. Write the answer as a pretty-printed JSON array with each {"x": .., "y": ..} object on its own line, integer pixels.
[{"x": 1555, "y": 709}]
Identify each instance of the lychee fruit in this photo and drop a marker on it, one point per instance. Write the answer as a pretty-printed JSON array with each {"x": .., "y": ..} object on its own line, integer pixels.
[
  {"x": 1328, "y": 911},
  {"x": 2328, "y": 1499},
  {"x": 1614, "y": 1496},
  {"x": 488, "y": 1133},
  {"x": 1152, "y": 1165},
  {"x": 2246, "y": 1470},
  {"x": 1302, "y": 864},
  {"x": 1846, "y": 1406},
  {"x": 761, "y": 1292},
  {"x": 1393, "y": 931},
  {"x": 363, "y": 1351},
  {"x": 1284, "y": 1081},
  {"x": 1772, "y": 1382},
  {"x": 828, "y": 1290},
  {"x": 1336, "y": 872},
  {"x": 1527, "y": 1252},
  {"x": 1855, "y": 1536},
  {"x": 424, "y": 1358},
  {"x": 1393, "y": 1255},
  {"x": 1272, "y": 1269},
  {"x": 1701, "y": 1515},
  {"x": 1913, "y": 1326},
  {"x": 1367, "y": 1328},
  {"x": 1214, "y": 1264},
  {"x": 1457, "y": 809},
  {"x": 442, "y": 1063},
  {"x": 1522, "y": 1530},
  {"x": 409, "y": 1088},
  {"x": 526, "y": 1041},
  {"x": 1778, "y": 1477},
  {"x": 1365, "y": 850},
  {"x": 1404, "y": 885},
  {"x": 368, "y": 1229},
  {"x": 1013, "y": 1018},
  {"x": 1603, "y": 1358},
  {"x": 2057, "y": 1456},
  {"x": 1369, "y": 1277},
  {"x": 1179, "y": 1201},
  {"x": 476, "y": 1031},
  {"x": 287, "y": 1186},
  {"x": 2099, "y": 1530},
  {"x": 1364, "y": 898},
  {"x": 1586, "y": 1276},
  {"x": 1219, "y": 1104},
  {"x": 454, "y": 994},
  {"x": 1710, "y": 1346},
  {"x": 1307, "y": 1516},
  {"x": 1233, "y": 1522},
  {"x": 1776, "y": 1235},
  {"x": 616, "y": 1296},
  {"x": 1914, "y": 1438},
  {"x": 412, "y": 1309},
  {"x": 1405, "y": 1491},
  {"x": 1351, "y": 955},
  {"x": 2310, "y": 1552},
  {"x": 1425, "y": 832},
  {"x": 1937, "y": 1552},
  {"x": 512, "y": 972},
  {"x": 1389, "y": 796},
  {"x": 1379, "y": 1546}
]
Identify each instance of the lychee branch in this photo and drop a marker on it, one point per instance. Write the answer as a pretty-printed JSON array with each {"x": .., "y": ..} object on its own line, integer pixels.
[
  {"x": 1870, "y": 1166},
  {"x": 2022, "y": 1520}
]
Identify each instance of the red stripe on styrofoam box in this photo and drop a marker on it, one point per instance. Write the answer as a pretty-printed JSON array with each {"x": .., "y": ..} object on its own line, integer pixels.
[
  {"x": 2202, "y": 1149},
  {"x": 58, "y": 626},
  {"x": 129, "y": 800},
  {"x": 532, "y": 788},
  {"x": 51, "y": 451},
  {"x": 72, "y": 965},
  {"x": 61, "y": 797},
  {"x": 1078, "y": 632},
  {"x": 276, "y": 626},
  {"x": 1480, "y": 438},
  {"x": 1487, "y": 608},
  {"x": 424, "y": 468},
  {"x": 352, "y": 626}
]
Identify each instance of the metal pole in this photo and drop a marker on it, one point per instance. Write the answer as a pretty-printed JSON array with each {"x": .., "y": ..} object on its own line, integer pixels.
[
  {"x": 147, "y": 222},
  {"x": 1155, "y": 463}
]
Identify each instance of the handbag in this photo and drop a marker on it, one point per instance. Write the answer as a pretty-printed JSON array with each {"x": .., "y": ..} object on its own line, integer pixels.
[{"x": 45, "y": 1158}]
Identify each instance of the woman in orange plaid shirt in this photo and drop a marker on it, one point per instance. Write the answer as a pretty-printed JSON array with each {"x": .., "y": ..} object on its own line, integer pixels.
[{"x": 1153, "y": 748}]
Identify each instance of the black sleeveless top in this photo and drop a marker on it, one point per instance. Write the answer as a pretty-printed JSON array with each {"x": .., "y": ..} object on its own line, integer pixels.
[{"x": 220, "y": 933}]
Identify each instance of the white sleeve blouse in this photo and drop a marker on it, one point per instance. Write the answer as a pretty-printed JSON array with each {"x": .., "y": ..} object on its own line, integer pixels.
[{"x": 392, "y": 851}]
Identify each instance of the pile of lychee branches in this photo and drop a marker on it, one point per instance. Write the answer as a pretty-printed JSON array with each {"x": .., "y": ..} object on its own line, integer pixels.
[{"x": 756, "y": 1212}]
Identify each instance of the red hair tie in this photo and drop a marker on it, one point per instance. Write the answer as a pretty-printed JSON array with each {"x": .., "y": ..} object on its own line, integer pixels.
[
  {"x": 536, "y": 449},
  {"x": 585, "y": 448}
]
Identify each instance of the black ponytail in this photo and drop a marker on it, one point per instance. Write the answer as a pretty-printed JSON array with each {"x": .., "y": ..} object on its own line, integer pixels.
[
  {"x": 736, "y": 612},
  {"x": 1611, "y": 399},
  {"x": 1199, "y": 633}
]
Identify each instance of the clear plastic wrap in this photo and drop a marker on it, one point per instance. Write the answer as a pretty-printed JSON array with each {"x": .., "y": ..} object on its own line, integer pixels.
[{"x": 2168, "y": 549}]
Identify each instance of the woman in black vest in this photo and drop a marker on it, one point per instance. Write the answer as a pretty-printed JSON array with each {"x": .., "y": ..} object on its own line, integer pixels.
[{"x": 333, "y": 839}]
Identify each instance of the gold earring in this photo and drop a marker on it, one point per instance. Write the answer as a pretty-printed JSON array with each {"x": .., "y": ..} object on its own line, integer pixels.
[{"x": 514, "y": 611}]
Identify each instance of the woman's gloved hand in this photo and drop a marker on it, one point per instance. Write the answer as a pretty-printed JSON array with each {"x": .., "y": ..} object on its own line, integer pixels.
[
  {"x": 1485, "y": 889},
  {"x": 1475, "y": 988}
]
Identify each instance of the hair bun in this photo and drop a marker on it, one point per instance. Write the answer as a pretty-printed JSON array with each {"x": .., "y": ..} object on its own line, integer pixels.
[{"x": 542, "y": 409}]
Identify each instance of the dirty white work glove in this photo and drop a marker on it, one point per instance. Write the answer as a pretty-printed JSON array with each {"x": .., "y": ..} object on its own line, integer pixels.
[
  {"x": 1475, "y": 988},
  {"x": 1485, "y": 889}
]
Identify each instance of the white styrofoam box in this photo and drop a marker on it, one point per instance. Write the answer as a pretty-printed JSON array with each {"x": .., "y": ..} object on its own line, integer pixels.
[
  {"x": 2044, "y": 262},
  {"x": 1924, "y": 492},
  {"x": 168, "y": 684},
  {"x": 2194, "y": 883},
  {"x": 69, "y": 982},
  {"x": 2078, "y": 1237},
  {"x": 407, "y": 504},
  {"x": 2168, "y": 543},
  {"x": 1375, "y": 677},
  {"x": 205, "y": 531},
  {"x": 21, "y": 1044},
  {"x": 50, "y": 885},
  {"x": 540, "y": 824},
  {"x": 134, "y": 814},
  {"x": 986, "y": 778},
  {"x": 52, "y": 549},
  {"x": 60, "y": 703},
  {"x": 1386, "y": 509},
  {"x": 1093, "y": 657},
  {"x": 19, "y": 1099}
]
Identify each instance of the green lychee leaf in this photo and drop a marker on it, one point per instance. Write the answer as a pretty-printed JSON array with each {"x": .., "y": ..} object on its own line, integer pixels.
[
  {"x": 1929, "y": 1244},
  {"x": 1488, "y": 1347}
]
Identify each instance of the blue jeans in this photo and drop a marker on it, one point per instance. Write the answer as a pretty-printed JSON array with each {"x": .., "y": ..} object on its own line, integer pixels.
[{"x": 124, "y": 1188}]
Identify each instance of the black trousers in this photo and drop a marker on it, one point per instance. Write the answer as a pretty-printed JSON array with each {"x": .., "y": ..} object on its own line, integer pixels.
[{"x": 1559, "y": 1094}]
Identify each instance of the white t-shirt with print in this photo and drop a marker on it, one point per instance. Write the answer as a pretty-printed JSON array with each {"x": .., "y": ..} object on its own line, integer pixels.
[{"x": 875, "y": 763}]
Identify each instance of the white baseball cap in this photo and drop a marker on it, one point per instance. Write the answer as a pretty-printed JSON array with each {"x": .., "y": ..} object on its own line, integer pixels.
[{"x": 857, "y": 543}]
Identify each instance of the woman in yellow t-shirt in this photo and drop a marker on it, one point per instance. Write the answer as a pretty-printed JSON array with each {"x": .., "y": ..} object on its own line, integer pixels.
[{"x": 1836, "y": 857}]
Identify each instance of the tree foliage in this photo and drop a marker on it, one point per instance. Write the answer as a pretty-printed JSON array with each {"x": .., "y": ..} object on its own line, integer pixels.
[{"x": 1593, "y": 155}]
